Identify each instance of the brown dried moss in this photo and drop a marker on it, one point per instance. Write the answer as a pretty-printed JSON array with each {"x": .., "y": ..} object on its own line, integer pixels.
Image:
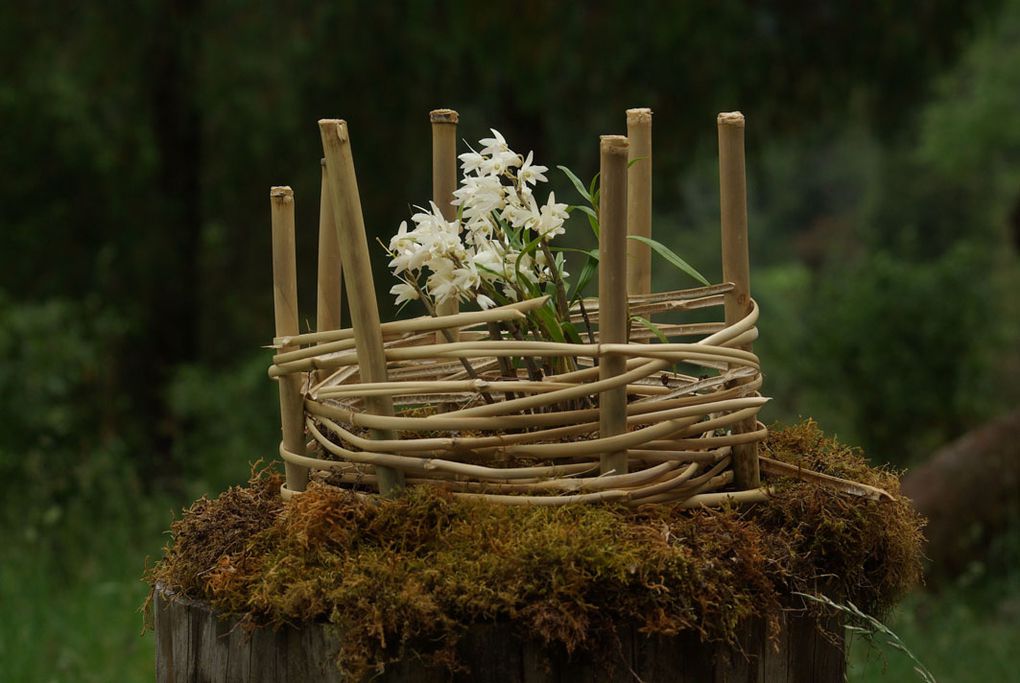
[{"x": 422, "y": 568}]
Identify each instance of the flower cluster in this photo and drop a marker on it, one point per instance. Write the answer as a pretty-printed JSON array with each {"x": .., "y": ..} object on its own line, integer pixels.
[{"x": 496, "y": 247}]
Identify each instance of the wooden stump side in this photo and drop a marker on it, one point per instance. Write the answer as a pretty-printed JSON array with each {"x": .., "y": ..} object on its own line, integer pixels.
[{"x": 193, "y": 645}]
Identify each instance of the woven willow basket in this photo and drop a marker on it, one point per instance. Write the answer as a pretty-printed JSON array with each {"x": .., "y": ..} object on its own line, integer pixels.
[
  {"x": 510, "y": 439},
  {"x": 448, "y": 400}
]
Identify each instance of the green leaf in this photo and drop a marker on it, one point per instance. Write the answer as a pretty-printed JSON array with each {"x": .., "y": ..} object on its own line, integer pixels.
[
  {"x": 490, "y": 271},
  {"x": 498, "y": 296},
  {"x": 593, "y": 219},
  {"x": 576, "y": 182},
  {"x": 530, "y": 288},
  {"x": 671, "y": 256},
  {"x": 514, "y": 238},
  {"x": 549, "y": 324},
  {"x": 561, "y": 262},
  {"x": 570, "y": 333},
  {"x": 634, "y": 161},
  {"x": 529, "y": 248},
  {"x": 591, "y": 266},
  {"x": 650, "y": 326},
  {"x": 592, "y": 185},
  {"x": 570, "y": 249}
]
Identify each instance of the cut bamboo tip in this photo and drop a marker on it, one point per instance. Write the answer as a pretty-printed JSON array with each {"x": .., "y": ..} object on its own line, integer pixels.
[
  {"x": 443, "y": 116},
  {"x": 730, "y": 118},
  {"x": 282, "y": 193},
  {"x": 639, "y": 115},
  {"x": 339, "y": 125},
  {"x": 614, "y": 144}
]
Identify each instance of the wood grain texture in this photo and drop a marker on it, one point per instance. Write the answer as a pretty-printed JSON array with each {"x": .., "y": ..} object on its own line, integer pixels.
[{"x": 193, "y": 645}]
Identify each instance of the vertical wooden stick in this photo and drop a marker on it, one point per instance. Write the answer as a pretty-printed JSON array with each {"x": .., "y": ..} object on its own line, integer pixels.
[
  {"x": 350, "y": 223},
  {"x": 736, "y": 262},
  {"x": 330, "y": 277},
  {"x": 444, "y": 182},
  {"x": 292, "y": 411},
  {"x": 613, "y": 291},
  {"x": 639, "y": 200}
]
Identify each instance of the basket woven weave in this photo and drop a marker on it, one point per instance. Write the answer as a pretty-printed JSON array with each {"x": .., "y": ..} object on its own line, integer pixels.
[{"x": 507, "y": 437}]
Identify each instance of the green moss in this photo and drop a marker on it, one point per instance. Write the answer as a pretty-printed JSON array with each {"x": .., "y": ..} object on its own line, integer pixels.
[{"x": 424, "y": 567}]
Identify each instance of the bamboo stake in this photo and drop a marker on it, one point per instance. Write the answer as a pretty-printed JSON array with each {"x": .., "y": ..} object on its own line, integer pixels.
[
  {"x": 292, "y": 420},
  {"x": 639, "y": 200},
  {"x": 613, "y": 294},
  {"x": 736, "y": 262},
  {"x": 444, "y": 182},
  {"x": 330, "y": 277},
  {"x": 350, "y": 223}
]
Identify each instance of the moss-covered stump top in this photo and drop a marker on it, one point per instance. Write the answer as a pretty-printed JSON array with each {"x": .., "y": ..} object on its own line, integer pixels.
[{"x": 423, "y": 567}]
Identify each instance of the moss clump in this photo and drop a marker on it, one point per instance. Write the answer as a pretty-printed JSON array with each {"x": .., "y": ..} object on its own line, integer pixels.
[{"x": 424, "y": 567}]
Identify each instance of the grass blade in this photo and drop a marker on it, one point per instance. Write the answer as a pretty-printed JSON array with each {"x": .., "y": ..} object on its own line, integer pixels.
[{"x": 671, "y": 256}]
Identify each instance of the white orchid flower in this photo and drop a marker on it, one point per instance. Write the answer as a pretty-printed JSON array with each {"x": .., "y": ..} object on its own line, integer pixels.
[
  {"x": 495, "y": 144},
  {"x": 531, "y": 173},
  {"x": 404, "y": 292}
]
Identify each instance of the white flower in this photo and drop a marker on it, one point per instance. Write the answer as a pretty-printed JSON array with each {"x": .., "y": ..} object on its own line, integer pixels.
[
  {"x": 455, "y": 259},
  {"x": 550, "y": 223},
  {"x": 408, "y": 260},
  {"x": 499, "y": 163},
  {"x": 466, "y": 279},
  {"x": 520, "y": 216},
  {"x": 404, "y": 292},
  {"x": 431, "y": 221},
  {"x": 479, "y": 196},
  {"x": 526, "y": 266},
  {"x": 440, "y": 283},
  {"x": 495, "y": 144},
  {"x": 479, "y": 232},
  {"x": 487, "y": 261},
  {"x": 400, "y": 239},
  {"x": 471, "y": 162},
  {"x": 531, "y": 173}
]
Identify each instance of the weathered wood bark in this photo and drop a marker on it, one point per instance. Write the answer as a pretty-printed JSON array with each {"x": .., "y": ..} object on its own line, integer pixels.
[
  {"x": 192, "y": 644},
  {"x": 970, "y": 491}
]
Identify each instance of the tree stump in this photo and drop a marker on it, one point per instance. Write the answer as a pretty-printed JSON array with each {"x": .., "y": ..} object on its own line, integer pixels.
[{"x": 193, "y": 644}]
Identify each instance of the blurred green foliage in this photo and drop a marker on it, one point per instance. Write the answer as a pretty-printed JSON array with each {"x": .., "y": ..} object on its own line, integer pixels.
[
  {"x": 61, "y": 450},
  {"x": 967, "y": 634},
  {"x": 140, "y": 140},
  {"x": 222, "y": 415}
]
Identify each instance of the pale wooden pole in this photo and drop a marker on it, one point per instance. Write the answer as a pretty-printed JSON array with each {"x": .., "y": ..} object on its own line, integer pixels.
[
  {"x": 736, "y": 263},
  {"x": 444, "y": 182},
  {"x": 330, "y": 276},
  {"x": 350, "y": 223},
  {"x": 639, "y": 200},
  {"x": 613, "y": 292},
  {"x": 292, "y": 412}
]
